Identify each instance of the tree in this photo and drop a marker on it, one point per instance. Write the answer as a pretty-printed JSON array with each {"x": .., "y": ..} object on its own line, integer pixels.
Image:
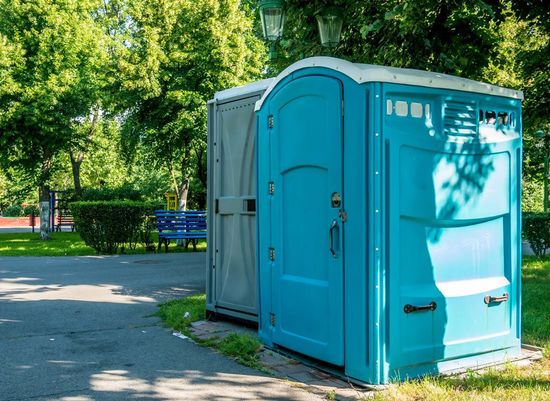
[
  {"x": 447, "y": 36},
  {"x": 52, "y": 56},
  {"x": 182, "y": 51}
]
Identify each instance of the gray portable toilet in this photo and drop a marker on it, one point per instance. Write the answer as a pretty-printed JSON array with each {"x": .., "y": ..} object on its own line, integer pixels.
[{"x": 231, "y": 264}]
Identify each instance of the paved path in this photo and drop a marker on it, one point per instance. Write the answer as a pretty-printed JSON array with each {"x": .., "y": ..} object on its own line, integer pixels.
[{"x": 79, "y": 329}]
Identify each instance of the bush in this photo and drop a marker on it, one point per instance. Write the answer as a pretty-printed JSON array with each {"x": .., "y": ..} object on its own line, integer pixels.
[
  {"x": 532, "y": 196},
  {"x": 13, "y": 211},
  {"x": 124, "y": 192},
  {"x": 536, "y": 230},
  {"x": 107, "y": 226},
  {"x": 30, "y": 209}
]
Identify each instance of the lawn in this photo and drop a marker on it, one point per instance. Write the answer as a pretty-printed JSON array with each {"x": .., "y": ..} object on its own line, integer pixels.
[
  {"x": 508, "y": 383},
  {"x": 61, "y": 244}
]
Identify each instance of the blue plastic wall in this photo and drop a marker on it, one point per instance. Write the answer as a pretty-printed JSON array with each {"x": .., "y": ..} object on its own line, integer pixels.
[{"x": 430, "y": 213}]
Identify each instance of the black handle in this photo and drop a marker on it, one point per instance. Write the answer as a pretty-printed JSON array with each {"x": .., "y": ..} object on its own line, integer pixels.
[
  {"x": 490, "y": 300},
  {"x": 331, "y": 238},
  {"x": 412, "y": 308}
]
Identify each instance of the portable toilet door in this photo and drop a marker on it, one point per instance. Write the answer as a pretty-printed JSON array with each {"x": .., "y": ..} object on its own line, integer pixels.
[
  {"x": 231, "y": 267},
  {"x": 306, "y": 185},
  {"x": 388, "y": 219}
]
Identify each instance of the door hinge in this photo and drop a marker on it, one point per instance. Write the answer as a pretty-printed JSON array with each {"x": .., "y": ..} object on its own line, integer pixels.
[
  {"x": 270, "y": 187},
  {"x": 270, "y": 121},
  {"x": 272, "y": 254},
  {"x": 273, "y": 319},
  {"x": 217, "y": 206}
]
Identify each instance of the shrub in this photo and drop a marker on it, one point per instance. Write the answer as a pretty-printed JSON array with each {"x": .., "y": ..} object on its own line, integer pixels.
[
  {"x": 30, "y": 209},
  {"x": 532, "y": 196},
  {"x": 536, "y": 230},
  {"x": 13, "y": 211},
  {"x": 107, "y": 226},
  {"x": 124, "y": 192}
]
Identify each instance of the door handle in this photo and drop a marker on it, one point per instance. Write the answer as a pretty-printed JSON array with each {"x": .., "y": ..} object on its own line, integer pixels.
[
  {"x": 333, "y": 226},
  {"x": 491, "y": 300},
  {"x": 413, "y": 308}
]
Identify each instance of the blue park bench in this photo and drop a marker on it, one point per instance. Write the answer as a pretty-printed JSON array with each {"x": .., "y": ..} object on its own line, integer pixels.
[{"x": 188, "y": 225}]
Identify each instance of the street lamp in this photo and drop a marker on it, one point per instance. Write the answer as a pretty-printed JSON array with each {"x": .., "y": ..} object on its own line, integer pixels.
[
  {"x": 542, "y": 135},
  {"x": 272, "y": 15},
  {"x": 330, "y": 22}
]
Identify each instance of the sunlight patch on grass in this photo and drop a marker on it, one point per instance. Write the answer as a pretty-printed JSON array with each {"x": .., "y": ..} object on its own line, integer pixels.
[{"x": 65, "y": 244}]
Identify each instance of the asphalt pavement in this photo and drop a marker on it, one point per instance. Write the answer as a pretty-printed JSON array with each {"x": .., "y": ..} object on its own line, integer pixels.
[{"x": 81, "y": 329}]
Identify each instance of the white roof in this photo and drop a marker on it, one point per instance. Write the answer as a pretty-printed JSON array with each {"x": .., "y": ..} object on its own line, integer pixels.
[
  {"x": 242, "y": 91},
  {"x": 362, "y": 73}
]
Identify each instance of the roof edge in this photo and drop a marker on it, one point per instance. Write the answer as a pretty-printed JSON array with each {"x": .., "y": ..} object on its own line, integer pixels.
[{"x": 362, "y": 73}]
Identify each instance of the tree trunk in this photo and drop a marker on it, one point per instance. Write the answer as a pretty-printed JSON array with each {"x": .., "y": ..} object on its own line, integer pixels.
[
  {"x": 183, "y": 191},
  {"x": 44, "y": 212},
  {"x": 183, "y": 188},
  {"x": 75, "y": 166},
  {"x": 77, "y": 156}
]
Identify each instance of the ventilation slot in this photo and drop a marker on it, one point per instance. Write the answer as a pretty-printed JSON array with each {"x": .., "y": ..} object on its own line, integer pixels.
[{"x": 460, "y": 118}]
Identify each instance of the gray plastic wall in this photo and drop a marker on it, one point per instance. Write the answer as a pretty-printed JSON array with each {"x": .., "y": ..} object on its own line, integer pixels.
[{"x": 231, "y": 288}]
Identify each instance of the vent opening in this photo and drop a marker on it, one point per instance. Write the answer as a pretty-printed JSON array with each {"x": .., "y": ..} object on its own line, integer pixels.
[{"x": 460, "y": 118}]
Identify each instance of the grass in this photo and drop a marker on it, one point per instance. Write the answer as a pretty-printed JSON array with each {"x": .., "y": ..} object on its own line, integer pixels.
[
  {"x": 536, "y": 302},
  {"x": 63, "y": 244},
  {"x": 510, "y": 383},
  {"x": 180, "y": 313},
  {"x": 30, "y": 244}
]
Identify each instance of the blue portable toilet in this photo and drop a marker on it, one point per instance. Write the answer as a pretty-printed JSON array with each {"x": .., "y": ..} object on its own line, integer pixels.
[{"x": 389, "y": 219}]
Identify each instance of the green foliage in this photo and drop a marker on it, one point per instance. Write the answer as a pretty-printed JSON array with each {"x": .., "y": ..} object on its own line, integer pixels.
[
  {"x": 451, "y": 36},
  {"x": 243, "y": 347},
  {"x": 532, "y": 196},
  {"x": 52, "y": 57},
  {"x": 124, "y": 192},
  {"x": 536, "y": 298},
  {"x": 31, "y": 209},
  {"x": 107, "y": 226},
  {"x": 13, "y": 211},
  {"x": 180, "y": 313},
  {"x": 536, "y": 230},
  {"x": 182, "y": 53}
]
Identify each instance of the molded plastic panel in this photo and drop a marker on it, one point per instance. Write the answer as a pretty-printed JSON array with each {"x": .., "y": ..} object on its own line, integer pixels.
[
  {"x": 306, "y": 169},
  {"x": 232, "y": 199},
  {"x": 452, "y": 220}
]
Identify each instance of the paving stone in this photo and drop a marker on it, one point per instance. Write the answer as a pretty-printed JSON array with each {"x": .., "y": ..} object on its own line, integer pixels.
[
  {"x": 272, "y": 359},
  {"x": 290, "y": 369},
  {"x": 293, "y": 371},
  {"x": 304, "y": 377}
]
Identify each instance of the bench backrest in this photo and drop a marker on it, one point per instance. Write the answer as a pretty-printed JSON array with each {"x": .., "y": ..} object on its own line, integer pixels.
[{"x": 188, "y": 220}]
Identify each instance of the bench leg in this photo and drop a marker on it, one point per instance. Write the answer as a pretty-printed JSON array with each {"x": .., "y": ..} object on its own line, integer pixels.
[
  {"x": 166, "y": 242},
  {"x": 195, "y": 245}
]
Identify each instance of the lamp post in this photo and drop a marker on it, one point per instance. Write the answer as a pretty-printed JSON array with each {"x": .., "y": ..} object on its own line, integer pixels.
[
  {"x": 546, "y": 140},
  {"x": 272, "y": 15},
  {"x": 330, "y": 21}
]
